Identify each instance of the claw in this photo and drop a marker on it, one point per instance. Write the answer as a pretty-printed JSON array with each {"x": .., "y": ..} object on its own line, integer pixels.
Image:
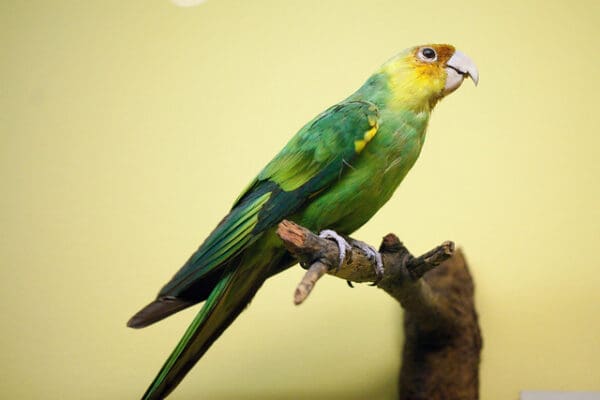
[
  {"x": 375, "y": 256},
  {"x": 343, "y": 245}
]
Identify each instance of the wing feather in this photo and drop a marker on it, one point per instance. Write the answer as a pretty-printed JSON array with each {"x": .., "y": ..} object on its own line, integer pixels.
[{"x": 313, "y": 160}]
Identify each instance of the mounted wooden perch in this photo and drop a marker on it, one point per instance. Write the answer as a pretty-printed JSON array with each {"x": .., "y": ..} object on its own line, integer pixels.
[{"x": 440, "y": 358}]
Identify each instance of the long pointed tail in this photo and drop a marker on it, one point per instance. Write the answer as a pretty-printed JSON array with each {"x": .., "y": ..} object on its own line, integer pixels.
[{"x": 227, "y": 300}]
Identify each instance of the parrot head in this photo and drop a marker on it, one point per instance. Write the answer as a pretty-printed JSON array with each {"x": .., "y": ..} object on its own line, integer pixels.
[{"x": 420, "y": 76}]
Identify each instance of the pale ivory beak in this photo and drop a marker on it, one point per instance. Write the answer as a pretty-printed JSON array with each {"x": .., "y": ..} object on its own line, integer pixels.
[{"x": 458, "y": 67}]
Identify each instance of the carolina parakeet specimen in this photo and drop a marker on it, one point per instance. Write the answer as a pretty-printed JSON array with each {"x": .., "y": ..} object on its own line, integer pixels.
[{"x": 334, "y": 174}]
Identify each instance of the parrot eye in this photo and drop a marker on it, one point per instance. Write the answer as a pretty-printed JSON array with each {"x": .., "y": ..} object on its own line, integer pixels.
[{"x": 427, "y": 54}]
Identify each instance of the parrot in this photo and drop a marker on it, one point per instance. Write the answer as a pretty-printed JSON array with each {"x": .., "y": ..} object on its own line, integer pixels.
[{"x": 333, "y": 175}]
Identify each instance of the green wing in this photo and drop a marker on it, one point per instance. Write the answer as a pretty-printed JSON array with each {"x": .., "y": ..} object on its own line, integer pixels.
[
  {"x": 315, "y": 158},
  {"x": 316, "y": 155}
]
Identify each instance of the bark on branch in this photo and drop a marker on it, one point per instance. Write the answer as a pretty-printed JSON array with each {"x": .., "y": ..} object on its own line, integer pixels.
[{"x": 442, "y": 337}]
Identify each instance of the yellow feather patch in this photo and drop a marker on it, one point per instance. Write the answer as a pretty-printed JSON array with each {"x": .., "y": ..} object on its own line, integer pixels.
[
  {"x": 359, "y": 145},
  {"x": 370, "y": 133},
  {"x": 415, "y": 85}
]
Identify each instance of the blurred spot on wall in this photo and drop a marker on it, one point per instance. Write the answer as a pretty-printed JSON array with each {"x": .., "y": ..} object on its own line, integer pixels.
[{"x": 187, "y": 3}]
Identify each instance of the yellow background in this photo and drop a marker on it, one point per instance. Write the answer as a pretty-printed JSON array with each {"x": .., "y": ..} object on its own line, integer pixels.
[{"x": 128, "y": 128}]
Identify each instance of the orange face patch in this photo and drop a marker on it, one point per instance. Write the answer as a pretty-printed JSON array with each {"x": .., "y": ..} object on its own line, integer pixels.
[
  {"x": 444, "y": 52},
  {"x": 433, "y": 68}
]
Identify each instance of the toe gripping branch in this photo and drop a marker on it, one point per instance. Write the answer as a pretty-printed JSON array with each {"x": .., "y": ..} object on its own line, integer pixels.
[{"x": 321, "y": 255}]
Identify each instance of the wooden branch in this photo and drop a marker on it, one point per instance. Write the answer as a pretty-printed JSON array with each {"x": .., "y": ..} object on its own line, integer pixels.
[
  {"x": 321, "y": 255},
  {"x": 443, "y": 340}
]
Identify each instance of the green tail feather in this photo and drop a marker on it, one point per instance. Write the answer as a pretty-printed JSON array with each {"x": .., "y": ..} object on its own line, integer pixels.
[
  {"x": 183, "y": 356},
  {"x": 227, "y": 300}
]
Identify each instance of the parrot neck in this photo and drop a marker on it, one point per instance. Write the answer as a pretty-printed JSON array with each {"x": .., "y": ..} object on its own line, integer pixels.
[{"x": 397, "y": 88}]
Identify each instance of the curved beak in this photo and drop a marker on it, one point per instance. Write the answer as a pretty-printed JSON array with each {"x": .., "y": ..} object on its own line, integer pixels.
[{"x": 458, "y": 67}]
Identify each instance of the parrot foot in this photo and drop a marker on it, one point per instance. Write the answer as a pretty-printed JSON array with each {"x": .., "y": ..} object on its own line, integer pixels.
[
  {"x": 343, "y": 245},
  {"x": 373, "y": 255}
]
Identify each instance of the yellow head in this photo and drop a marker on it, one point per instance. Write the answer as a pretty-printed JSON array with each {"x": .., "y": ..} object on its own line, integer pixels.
[{"x": 420, "y": 76}]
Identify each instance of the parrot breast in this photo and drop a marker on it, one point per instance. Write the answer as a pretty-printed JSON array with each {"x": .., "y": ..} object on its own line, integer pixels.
[{"x": 370, "y": 182}]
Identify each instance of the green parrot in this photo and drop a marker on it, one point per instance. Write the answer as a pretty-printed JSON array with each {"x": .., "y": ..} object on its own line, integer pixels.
[{"x": 333, "y": 175}]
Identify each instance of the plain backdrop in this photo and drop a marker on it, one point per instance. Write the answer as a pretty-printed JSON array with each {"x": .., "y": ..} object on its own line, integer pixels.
[{"x": 128, "y": 129}]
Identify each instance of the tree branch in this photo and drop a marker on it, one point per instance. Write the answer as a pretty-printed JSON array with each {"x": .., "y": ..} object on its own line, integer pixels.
[
  {"x": 443, "y": 340},
  {"x": 401, "y": 269}
]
